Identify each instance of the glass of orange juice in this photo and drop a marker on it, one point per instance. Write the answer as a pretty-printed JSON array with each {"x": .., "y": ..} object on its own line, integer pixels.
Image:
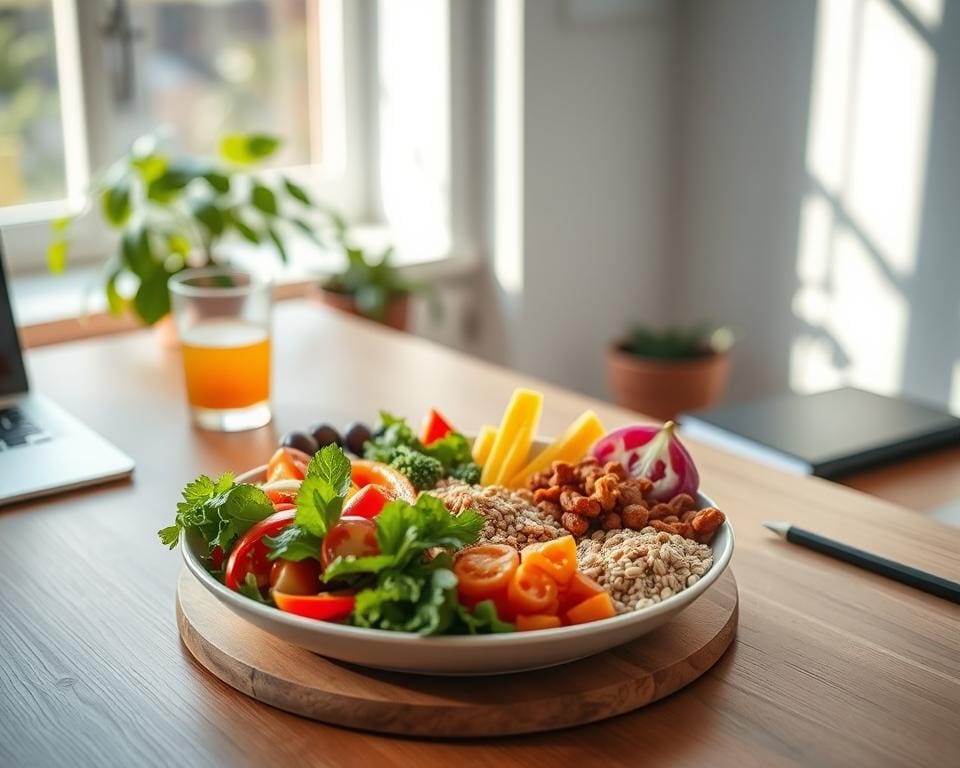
[{"x": 222, "y": 317}]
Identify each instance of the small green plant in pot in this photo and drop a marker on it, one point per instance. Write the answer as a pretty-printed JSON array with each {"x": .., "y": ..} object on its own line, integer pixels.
[
  {"x": 664, "y": 372},
  {"x": 176, "y": 211},
  {"x": 372, "y": 287}
]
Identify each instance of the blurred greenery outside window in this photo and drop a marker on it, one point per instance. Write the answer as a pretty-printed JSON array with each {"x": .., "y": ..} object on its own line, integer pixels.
[
  {"x": 80, "y": 80},
  {"x": 359, "y": 92}
]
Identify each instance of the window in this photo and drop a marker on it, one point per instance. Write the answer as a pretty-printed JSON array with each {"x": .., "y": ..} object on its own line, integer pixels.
[
  {"x": 192, "y": 70},
  {"x": 359, "y": 91},
  {"x": 42, "y": 157}
]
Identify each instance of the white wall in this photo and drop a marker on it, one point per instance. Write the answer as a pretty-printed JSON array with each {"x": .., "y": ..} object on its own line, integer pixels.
[
  {"x": 596, "y": 182},
  {"x": 821, "y": 215}
]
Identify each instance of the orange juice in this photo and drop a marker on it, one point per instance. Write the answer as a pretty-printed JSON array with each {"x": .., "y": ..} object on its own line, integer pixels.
[{"x": 227, "y": 364}]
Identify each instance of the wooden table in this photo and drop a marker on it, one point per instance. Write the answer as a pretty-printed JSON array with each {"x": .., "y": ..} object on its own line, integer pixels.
[{"x": 831, "y": 665}]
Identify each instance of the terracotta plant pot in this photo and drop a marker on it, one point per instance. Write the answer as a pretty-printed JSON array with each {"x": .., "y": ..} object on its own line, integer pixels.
[
  {"x": 398, "y": 308},
  {"x": 665, "y": 388}
]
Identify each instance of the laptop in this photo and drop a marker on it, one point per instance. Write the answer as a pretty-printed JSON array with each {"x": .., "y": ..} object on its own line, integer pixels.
[{"x": 43, "y": 449}]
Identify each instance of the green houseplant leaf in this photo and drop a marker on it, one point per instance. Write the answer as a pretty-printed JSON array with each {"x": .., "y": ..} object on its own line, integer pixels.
[{"x": 176, "y": 210}]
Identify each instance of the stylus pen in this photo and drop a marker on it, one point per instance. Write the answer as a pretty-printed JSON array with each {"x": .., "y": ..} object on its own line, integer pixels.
[{"x": 912, "y": 577}]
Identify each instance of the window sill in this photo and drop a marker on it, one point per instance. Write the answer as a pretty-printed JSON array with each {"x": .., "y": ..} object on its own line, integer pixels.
[{"x": 53, "y": 308}]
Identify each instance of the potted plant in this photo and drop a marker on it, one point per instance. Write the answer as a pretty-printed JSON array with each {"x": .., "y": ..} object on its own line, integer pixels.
[
  {"x": 370, "y": 287},
  {"x": 176, "y": 211},
  {"x": 663, "y": 373}
]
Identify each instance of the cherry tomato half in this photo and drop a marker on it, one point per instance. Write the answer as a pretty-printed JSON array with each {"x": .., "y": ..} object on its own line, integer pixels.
[
  {"x": 327, "y": 606},
  {"x": 486, "y": 570},
  {"x": 249, "y": 554},
  {"x": 367, "y": 502},
  {"x": 351, "y": 536},
  {"x": 287, "y": 464},
  {"x": 300, "y": 577},
  {"x": 531, "y": 590}
]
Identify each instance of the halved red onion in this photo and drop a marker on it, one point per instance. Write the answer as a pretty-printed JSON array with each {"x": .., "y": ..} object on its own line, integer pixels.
[{"x": 655, "y": 453}]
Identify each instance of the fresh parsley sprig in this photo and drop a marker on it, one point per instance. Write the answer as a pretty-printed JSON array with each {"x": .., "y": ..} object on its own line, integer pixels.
[
  {"x": 319, "y": 504},
  {"x": 220, "y": 511},
  {"x": 406, "y": 589}
]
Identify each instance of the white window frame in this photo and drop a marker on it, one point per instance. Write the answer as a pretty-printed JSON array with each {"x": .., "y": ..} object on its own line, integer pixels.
[{"x": 340, "y": 179}]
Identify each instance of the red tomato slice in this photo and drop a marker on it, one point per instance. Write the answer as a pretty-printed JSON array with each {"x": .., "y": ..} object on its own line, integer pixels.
[
  {"x": 393, "y": 483},
  {"x": 531, "y": 590},
  {"x": 249, "y": 554},
  {"x": 434, "y": 427},
  {"x": 351, "y": 536},
  {"x": 327, "y": 606},
  {"x": 367, "y": 502},
  {"x": 486, "y": 570},
  {"x": 287, "y": 464}
]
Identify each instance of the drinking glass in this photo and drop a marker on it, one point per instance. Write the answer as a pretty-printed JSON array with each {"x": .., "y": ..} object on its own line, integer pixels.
[{"x": 222, "y": 317}]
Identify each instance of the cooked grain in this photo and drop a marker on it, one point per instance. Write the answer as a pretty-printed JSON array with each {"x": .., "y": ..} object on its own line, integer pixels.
[
  {"x": 509, "y": 517},
  {"x": 640, "y": 568}
]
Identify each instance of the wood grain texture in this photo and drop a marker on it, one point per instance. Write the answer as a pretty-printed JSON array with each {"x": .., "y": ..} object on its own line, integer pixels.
[
  {"x": 602, "y": 686},
  {"x": 831, "y": 665},
  {"x": 922, "y": 482}
]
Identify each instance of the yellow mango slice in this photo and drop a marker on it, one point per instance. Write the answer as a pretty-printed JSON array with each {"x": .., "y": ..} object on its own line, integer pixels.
[
  {"x": 571, "y": 446},
  {"x": 483, "y": 443},
  {"x": 514, "y": 436}
]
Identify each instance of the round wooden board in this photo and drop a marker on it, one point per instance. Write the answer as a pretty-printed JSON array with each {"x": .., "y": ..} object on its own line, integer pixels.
[{"x": 595, "y": 688}]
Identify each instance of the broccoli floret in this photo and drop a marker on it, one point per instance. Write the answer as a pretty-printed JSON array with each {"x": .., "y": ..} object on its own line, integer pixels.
[
  {"x": 374, "y": 451},
  {"x": 468, "y": 472},
  {"x": 422, "y": 470}
]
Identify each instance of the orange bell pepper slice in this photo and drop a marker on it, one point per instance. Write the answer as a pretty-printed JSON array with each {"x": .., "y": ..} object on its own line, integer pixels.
[
  {"x": 557, "y": 558},
  {"x": 578, "y": 589},
  {"x": 395, "y": 484},
  {"x": 592, "y": 609},
  {"x": 527, "y": 622},
  {"x": 287, "y": 464}
]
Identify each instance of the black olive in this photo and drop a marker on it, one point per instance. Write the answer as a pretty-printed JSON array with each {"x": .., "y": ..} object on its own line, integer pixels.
[
  {"x": 357, "y": 435},
  {"x": 301, "y": 441},
  {"x": 324, "y": 434}
]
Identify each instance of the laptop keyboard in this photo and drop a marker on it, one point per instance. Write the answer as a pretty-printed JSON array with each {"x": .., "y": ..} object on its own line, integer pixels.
[{"x": 16, "y": 429}]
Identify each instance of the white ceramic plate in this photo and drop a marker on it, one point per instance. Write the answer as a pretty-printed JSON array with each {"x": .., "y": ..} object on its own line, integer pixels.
[{"x": 457, "y": 655}]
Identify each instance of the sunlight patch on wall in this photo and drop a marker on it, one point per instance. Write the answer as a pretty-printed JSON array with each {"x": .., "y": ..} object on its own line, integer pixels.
[
  {"x": 955, "y": 389},
  {"x": 867, "y": 317},
  {"x": 508, "y": 145},
  {"x": 928, "y": 12},
  {"x": 414, "y": 67},
  {"x": 870, "y": 111},
  {"x": 816, "y": 232},
  {"x": 832, "y": 79},
  {"x": 888, "y": 142}
]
